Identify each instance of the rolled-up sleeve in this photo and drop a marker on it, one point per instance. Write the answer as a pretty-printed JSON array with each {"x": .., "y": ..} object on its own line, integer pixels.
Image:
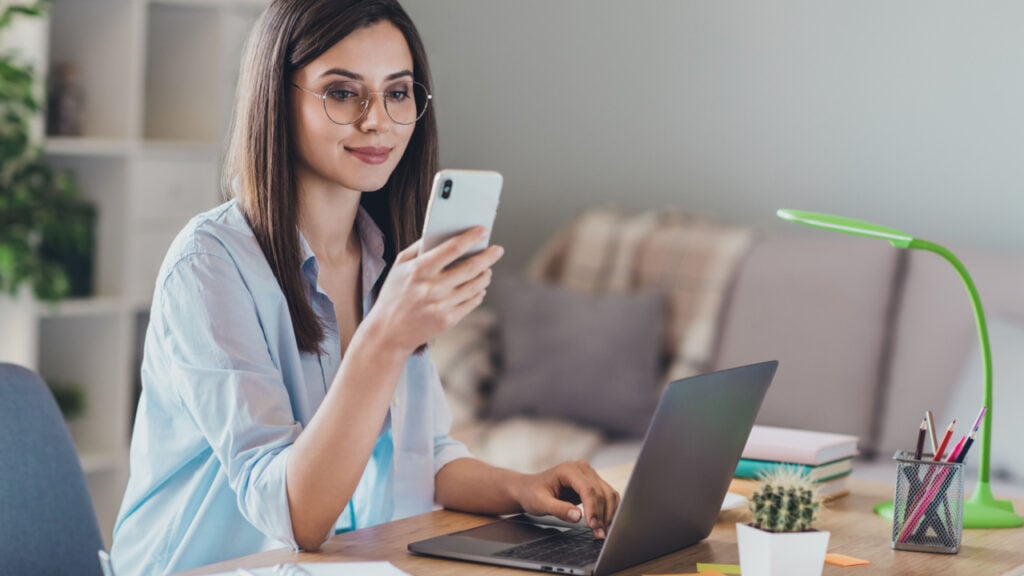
[{"x": 222, "y": 371}]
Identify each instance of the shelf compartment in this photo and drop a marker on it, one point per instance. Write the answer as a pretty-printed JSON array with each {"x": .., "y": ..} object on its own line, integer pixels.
[
  {"x": 183, "y": 78},
  {"x": 94, "y": 35},
  {"x": 101, "y": 180},
  {"x": 91, "y": 353}
]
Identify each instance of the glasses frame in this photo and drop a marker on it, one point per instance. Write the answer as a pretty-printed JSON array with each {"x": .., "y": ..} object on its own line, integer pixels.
[{"x": 365, "y": 104}]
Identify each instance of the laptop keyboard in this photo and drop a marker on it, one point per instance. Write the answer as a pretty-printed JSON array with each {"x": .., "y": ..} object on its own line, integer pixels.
[{"x": 576, "y": 547}]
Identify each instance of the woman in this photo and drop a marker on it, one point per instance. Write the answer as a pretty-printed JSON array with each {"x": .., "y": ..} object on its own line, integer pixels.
[{"x": 286, "y": 396}]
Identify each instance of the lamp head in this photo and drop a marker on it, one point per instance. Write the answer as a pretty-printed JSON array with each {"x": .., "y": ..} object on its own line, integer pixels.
[{"x": 847, "y": 226}]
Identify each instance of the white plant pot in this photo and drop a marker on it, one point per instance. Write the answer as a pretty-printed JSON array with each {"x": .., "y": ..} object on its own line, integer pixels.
[
  {"x": 19, "y": 329},
  {"x": 781, "y": 553}
]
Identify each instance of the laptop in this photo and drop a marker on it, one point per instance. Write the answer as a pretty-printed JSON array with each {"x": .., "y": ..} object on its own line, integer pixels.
[{"x": 673, "y": 497}]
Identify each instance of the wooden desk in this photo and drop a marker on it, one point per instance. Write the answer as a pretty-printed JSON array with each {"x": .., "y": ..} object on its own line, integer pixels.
[{"x": 856, "y": 531}]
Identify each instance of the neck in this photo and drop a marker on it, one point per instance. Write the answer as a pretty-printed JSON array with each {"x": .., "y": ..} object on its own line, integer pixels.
[{"x": 327, "y": 216}]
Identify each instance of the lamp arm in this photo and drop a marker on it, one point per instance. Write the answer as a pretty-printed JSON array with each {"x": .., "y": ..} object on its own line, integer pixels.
[{"x": 986, "y": 352}]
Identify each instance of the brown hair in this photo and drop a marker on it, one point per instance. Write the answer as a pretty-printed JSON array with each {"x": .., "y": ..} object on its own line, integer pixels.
[{"x": 259, "y": 166}]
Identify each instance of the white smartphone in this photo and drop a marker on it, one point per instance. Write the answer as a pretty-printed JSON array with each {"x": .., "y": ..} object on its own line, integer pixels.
[{"x": 460, "y": 200}]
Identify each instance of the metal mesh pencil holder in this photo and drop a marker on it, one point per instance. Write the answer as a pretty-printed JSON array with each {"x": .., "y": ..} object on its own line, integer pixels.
[{"x": 928, "y": 507}]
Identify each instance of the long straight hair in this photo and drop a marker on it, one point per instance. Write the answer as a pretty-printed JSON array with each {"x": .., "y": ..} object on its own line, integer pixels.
[{"x": 260, "y": 169}]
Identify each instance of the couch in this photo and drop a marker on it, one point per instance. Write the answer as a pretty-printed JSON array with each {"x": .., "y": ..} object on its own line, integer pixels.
[{"x": 868, "y": 337}]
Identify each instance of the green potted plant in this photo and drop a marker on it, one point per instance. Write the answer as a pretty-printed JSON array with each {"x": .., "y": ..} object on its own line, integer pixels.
[
  {"x": 46, "y": 229},
  {"x": 781, "y": 539}
]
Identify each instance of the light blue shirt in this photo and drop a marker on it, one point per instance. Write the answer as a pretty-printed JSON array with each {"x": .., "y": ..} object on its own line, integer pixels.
[{"x": 225, "y": 394}]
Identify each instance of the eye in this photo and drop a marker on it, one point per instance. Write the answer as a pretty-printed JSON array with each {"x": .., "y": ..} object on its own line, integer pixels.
[
  {"x": 344, "y": 92},
  {"x": 399, "y": 93}
]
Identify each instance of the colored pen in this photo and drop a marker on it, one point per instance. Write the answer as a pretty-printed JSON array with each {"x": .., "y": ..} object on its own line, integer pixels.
[
  {"x": 931, "y": 430},
  {"x": 920, "y": 440},
  {"x": 970, "y": 439},
  {"x": 945, "y": 441}
]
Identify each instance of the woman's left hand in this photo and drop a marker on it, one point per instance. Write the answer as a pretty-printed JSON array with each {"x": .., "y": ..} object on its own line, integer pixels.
[{"x": 552, "y": 492}]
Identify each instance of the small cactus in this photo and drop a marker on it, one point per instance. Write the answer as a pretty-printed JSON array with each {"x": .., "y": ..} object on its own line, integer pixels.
[{"x": 786, "y": 501}]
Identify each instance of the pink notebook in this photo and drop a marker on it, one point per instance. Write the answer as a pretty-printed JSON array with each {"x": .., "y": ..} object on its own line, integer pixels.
[{"x": 798, "y": 446}]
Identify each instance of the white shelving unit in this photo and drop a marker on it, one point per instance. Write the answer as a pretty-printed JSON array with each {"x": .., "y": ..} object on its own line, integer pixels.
[{"x": 159, "y": 79}]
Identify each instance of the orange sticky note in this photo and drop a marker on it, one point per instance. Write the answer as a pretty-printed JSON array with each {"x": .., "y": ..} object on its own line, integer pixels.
[{"x": 844, "y": 560}]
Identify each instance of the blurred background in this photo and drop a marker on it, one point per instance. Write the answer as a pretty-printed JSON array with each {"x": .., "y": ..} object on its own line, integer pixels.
[{"x": 904, "y": 113}]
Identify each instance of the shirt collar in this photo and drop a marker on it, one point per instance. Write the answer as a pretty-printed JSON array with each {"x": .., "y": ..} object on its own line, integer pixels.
[{"x": 371, "y": 239}]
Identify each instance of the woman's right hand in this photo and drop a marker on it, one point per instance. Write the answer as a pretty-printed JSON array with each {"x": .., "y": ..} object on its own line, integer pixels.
[{"x": 425, "y": 295}]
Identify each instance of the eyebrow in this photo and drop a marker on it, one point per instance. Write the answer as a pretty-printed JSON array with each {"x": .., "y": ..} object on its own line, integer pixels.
[{"x": 354, "y": 76}]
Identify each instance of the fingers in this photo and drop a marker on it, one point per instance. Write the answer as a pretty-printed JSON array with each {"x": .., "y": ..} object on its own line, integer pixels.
[
  {"x": 567, "y": 511},
  {"x": 581, "y": 477},
  {"x": 450, "y": 250},
  {"x": 471, "y": 267},
  {"x": 611, "y": 497},
  {"x": 410, "y": 252},
  {"x": 470, "y": 289},
  {"x": 461, "y": 310}
]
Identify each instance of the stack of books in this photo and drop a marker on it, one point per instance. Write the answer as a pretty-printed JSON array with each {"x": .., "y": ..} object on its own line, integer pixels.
[{"x": 827, "y": 458}]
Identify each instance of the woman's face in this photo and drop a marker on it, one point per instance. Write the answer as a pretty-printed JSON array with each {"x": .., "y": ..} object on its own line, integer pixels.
[{"x": 359, "y": 156}]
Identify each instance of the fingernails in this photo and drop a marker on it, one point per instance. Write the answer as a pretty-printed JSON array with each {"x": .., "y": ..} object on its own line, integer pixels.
[
  {"x": 599, "y": 533},
  {"x": 575, "y": 514}
]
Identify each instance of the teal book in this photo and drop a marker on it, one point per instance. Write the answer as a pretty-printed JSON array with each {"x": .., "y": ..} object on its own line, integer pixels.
[{"x": 750, "y": 468}]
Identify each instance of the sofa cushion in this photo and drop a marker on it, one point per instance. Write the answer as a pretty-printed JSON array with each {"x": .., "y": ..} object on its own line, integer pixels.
[
  {"x": 1006, "y": 338},
  {"x": 936, "y": 331},
  {"x": 690, "y": 259},
  {"x": 586, "y": 358},
  {"x": 818, "y": 303}
]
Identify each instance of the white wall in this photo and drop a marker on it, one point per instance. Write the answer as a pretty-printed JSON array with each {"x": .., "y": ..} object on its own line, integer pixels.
[{"x": 907, "y": 113}]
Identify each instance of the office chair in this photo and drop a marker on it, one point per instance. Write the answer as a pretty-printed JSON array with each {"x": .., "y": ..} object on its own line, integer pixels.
[{"x": 47, "y": 522}]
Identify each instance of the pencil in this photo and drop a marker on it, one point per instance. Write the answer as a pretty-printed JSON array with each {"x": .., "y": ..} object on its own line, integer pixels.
[
  {"x": 945, "y": 441},
  {"x": 977, "y": 421},
  {"x": 931, "y": 430},
  {"x": 920, "y": 440},
  {"x": 967, "y": 446}
]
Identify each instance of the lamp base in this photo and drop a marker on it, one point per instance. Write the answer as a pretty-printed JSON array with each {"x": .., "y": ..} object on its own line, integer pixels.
[{"x": 981, "y": 510}]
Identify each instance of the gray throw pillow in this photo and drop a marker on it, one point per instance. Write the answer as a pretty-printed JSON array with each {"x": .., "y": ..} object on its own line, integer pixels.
[{"x": 593, "y": 360}]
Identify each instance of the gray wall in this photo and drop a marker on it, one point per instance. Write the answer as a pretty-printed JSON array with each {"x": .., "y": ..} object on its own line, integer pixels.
[{"x": 907, "y": 113}]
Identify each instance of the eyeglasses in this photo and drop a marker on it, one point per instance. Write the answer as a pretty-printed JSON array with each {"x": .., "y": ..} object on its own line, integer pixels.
[{"x": 346, "y": 102}]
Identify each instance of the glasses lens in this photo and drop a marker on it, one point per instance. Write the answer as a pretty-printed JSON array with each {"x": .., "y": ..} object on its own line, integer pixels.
[
  {"x": 345, "y": 101},
  {"x": 406, "y": 101}
]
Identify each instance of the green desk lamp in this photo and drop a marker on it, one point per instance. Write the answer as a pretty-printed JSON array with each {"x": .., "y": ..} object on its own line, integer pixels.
[{"x": 982, "y": 510}]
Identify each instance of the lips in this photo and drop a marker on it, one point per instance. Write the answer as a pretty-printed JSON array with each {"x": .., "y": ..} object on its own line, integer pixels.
[{"x": 370, "y": 154}]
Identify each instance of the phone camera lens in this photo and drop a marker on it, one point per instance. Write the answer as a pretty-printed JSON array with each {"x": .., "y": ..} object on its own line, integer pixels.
[{"x": 446, "y": 190}]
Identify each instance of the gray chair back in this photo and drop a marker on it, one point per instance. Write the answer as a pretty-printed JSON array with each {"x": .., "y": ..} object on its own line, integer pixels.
[{"x": 47, "y": 522}]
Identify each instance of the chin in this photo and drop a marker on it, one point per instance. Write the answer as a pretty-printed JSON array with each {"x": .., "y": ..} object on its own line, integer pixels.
[
  {"x": 368, "y": 184},
  {"x": 366, "y": 180}
]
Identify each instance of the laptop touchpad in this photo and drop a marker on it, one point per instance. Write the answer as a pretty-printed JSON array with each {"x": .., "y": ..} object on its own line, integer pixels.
[{"x": 510, "y": 532}]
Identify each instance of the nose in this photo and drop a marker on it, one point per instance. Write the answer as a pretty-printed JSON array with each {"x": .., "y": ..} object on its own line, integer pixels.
[{"x": 376, "y": 118}]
